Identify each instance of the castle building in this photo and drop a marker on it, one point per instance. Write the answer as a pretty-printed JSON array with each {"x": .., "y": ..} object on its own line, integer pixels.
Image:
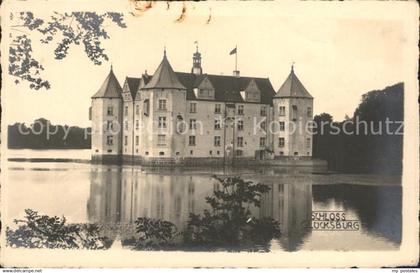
[{"x": 178, "y": 117}]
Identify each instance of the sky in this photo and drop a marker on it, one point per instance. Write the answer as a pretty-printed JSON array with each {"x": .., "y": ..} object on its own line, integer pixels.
[{"x": 339, "y": 53}]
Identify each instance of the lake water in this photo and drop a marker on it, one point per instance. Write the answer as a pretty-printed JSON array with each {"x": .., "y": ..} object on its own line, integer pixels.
[{"x": 116, "y": 195}]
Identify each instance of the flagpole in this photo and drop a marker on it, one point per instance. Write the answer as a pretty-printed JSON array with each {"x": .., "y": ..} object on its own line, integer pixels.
[{"x": 236, "y": 58}]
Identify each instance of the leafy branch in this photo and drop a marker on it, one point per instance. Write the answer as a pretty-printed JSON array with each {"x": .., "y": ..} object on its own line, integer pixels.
[{"x": 67, "y": 29}]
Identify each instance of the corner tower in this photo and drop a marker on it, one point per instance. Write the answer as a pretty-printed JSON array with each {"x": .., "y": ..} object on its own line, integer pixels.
[
  {"x": 293, "y": 110},
  {"x": 164, "y": 100},
  {"x": 106, "y": 121}
]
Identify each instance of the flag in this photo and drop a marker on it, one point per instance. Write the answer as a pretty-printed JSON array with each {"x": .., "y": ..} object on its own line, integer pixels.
[{"x": 233, "y": 51}]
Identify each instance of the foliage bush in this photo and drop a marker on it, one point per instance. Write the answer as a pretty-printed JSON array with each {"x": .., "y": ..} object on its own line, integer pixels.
[
  {"x": 42, "y": 231},
  {"x": 155, "y": 233},
  {"x": 229, "y": 222}
]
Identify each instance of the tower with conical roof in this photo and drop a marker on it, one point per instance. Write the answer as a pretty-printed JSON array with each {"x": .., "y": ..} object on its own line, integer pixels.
[
  {"x": 163, "y": 104},
  {"x": 106, "y": 121},
  {"x": 293, "y": 108}
]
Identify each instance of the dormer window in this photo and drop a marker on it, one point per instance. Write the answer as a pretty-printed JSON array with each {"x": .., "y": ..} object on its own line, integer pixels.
[
  {"x": 251, "y": 92},
  {"x": 204, "y": 90}
]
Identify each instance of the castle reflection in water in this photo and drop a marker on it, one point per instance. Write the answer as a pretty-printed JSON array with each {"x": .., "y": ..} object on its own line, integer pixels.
[{"x": 118, "y": 196}]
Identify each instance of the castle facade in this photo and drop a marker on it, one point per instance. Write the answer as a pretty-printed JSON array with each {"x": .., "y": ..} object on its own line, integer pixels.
[{"x": 178, "y": 117}]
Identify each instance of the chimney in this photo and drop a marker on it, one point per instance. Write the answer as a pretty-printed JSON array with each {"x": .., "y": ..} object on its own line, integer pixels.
[{"x": 236, "y": 73}]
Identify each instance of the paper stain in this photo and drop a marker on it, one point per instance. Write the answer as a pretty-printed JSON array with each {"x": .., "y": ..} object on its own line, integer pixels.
[
  {"x": 209, "y": 19},
  {"x": 183, "y": 14},
  {"x": 139, "y": 7}
]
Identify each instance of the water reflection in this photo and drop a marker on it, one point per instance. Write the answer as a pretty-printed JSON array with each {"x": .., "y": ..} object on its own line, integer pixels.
[{"x": 118, "y": 196}]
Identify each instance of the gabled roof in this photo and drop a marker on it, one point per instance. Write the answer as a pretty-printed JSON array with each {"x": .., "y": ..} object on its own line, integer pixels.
[
  {"x": 133, "y": 85},
  {"x": 292, "y": 87},
  {"x": 111, "y": 88},
  {"x": 227, "y": 88},
  {"x": 164, "y": 77}
]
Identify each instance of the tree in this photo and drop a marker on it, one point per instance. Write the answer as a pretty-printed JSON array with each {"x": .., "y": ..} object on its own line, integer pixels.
[{"x": 67, "y": 29}]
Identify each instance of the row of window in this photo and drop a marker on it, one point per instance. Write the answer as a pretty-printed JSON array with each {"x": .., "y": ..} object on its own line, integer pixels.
[
  {"x": 282, "y": 111},
  {"x": 218, "y": 109},
  {"x": 193, "y": 124},
  {"x": 217, "y": 141}
]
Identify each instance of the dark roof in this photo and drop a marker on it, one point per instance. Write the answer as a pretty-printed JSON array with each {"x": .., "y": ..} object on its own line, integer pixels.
[
  {"x": 164, "y": 77},
  {"x": 133, "y": 85},
  {"x": 227, "y": 88},
  {"x": 292, "y": 87},
  {"x": 111, "y": 88}
]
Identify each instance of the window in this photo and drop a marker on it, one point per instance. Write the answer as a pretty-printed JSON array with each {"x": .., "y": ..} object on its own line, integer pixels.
[
  {"x": 217, "y": 108},
  {"x": 162, "y": 104},
  {"x": 161, "y": 153},
  {"x": 126, "y": 111},
  {"x": 262, "y": 141},
  {"x": 191, "y": 141},
  {"x": 109, "y": 140},
  {"x": 125, "y": 140},
  {"x": 162, "y": 122},
  {"x": 191, "y": 152},
  {"x": 211, "y": 152},
  {"x": 126, "y": 125},
  {"x": 282, "y": 111},
  {"x": 217, "y": 141},
  {"x": 146, "y": 105},
  {"x": 161, "y": 140},
  {"x": 137, "y": 124},
  {"x": 263, "y": 111},
  {"x": 193, "y": 107},
  {"x": 281, "y": 142},
  {"x": 239, "y": 152},
  {"x": 240, "y": 125},
  {"x": 110, "y": 111},
  {"x": 217, "y": 124},
  {"x": 281, "y": 126},
  {"x": 137, "y": 109},
  {"x": 240, "y": 142},
  {"x": 146, "y": 153},
  {"x": 137, "y": 140},
  {"x": 193, "y": 124},
  {"x": 263, "y": 125},
  {"x": 240, "y": 109},
  {"x": 109, "y": 125},
  {"x": 218, "y": 152},
  {"x": 294, "y": 112},
  {"x": 308, "y": 143},
  {"x": 309, "y": 112}
]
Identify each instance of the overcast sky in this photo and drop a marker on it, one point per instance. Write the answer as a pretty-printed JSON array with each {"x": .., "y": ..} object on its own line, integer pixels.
[{"x": 339, "y": 53}]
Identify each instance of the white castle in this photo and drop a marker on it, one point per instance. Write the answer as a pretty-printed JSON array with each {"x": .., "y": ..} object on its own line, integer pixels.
[{"x": 197, "y": 118}]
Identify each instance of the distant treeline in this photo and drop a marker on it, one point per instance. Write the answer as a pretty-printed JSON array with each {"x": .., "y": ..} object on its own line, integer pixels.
[
  {"x": 369, "y": 151},
  {"x": 44, "y": 135}
]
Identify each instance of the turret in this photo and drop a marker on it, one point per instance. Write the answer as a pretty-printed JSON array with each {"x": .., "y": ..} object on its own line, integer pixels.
[
  {"x": 164, "y": 99},
  {"x": 106, "y": 120},
  {"x": 196, "y": 69},
  {"x": 293, "y": 107}
]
